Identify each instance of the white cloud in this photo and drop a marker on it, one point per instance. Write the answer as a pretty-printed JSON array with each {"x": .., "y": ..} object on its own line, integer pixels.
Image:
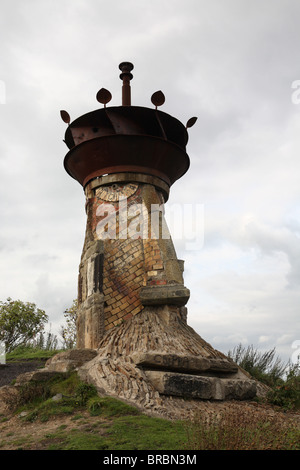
[{"x": 264, "y": 339}]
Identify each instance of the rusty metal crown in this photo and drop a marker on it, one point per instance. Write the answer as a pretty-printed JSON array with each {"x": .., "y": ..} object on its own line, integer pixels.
[{"x": 126, "y": 138}]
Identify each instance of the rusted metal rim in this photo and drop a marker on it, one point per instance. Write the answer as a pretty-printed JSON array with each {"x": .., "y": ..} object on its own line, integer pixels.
[
  {"x": 126, "y": 120},
  {"x": 126, "y": 153}
]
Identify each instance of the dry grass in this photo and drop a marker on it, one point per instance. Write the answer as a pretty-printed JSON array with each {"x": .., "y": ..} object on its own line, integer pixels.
[{"x": 239, "y": 429}]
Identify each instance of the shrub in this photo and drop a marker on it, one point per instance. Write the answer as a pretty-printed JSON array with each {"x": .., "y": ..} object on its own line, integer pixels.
[
  {"x": 287, "y": 393},
  {"x": 83, "y": 392},
  {"x": 95, "y": 406},
  {"x": 264, "y": 366}
]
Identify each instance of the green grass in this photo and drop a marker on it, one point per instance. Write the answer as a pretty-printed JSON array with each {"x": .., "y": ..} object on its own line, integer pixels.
[
  {"x": 109, "y": 407},
  {"x": 145, "y": 433},
  {"x": 36, "y": 397},
  {"x": 139, "y": 432},
  {"x": 29, "y": 353},
  {"x": 114, "y": 424},
  {"x": 118, "y": 426}
]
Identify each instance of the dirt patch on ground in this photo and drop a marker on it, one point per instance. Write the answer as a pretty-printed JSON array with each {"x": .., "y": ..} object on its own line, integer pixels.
[{"x": 17, "y": 434}]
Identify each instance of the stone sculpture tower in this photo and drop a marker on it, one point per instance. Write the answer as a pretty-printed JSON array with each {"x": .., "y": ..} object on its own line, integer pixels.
[
  {"x": 126, "y": 158},
  {"x": 131, "y": 293}
]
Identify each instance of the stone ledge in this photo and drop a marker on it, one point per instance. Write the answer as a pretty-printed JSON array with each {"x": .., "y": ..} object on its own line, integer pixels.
[
  {"x": 183, "y": 363},
  {"x": 203, "y": 388},
  {"x": 172, "y": 294}
]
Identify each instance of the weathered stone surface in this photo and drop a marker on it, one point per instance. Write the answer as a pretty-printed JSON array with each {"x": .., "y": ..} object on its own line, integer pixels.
[
  {"x": 222, "y": 365},
  {"x": 173, "y": 294},
  {"x": 70, "y": 360},
  {"x": 93, "y": 250},
  {"x": 187, "y": 386},
  {"x": 156, "y": 331},
  {"x": 184, "y": 363},
  {"x": 239, "y": 389},
  {"x": 90, "y": 322},
  {"x": 127, "y": 178},
  {"x": 199, "y": 387}
]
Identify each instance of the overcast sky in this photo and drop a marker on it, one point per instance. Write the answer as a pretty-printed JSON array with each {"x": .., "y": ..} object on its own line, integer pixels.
[{"x": 232, "y": 63}]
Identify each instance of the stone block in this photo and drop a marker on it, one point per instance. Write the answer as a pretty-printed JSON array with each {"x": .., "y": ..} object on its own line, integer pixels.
[
  {"x": 90, "y": 321},
  {"x": 183, "y": 363},
  {"x": 172, "y": 294},
  {"x": 201, "y": 387},
  {"x": 185, "y": 385},
  {"x": 70, "y": 360},
  {"x": 239, "y": 389},
  {"x": 224, "y": 366},
  {"x": 173, "y": 270},
  {"x": 95, "y": 248}
]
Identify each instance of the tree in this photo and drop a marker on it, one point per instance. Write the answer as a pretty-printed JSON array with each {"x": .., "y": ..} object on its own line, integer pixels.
[
  {"x": 20, "y": 322},
  {"x": 68, "y": 332}
]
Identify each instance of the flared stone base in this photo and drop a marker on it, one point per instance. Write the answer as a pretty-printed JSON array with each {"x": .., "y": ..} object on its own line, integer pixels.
[{"x": 156, "y": 355}]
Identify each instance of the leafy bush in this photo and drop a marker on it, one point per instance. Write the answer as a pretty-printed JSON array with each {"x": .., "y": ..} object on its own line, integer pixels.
[
  {"x": 283, "y": 379},
  {"x": 287, "y": 393},
  {"x": 83, "y": 392},
  {"x": 264, "y": 366}
]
